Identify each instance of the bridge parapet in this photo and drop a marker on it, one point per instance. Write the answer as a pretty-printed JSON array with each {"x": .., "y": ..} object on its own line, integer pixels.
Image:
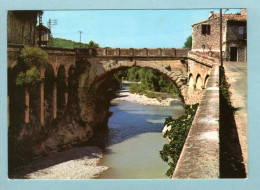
[
  {"x": 200, "y": 155},
  {"x": 133, "y": 52},
  {"x": 202, "y": 59}
]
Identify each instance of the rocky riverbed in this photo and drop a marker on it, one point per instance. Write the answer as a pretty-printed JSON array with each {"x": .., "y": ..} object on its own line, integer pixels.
[
  {"x": 75, "y": 163},
  {"x": 125, "y": 95}
]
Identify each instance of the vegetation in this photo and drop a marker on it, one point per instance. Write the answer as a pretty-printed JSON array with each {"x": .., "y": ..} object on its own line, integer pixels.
[
  {"x": 177, "y": 136},
  {"x": 188, "y": 43},
  {"x": 224, "y": 88},
  {"x": 150, "y": 81},
  {"x": 32, "y": 59},
  {"x": 230, "y": 155},
  {"x": 63, "y": 43}
]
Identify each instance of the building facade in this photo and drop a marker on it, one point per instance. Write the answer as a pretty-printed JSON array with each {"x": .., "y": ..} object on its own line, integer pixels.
[
  {"x": 43, "y": 35},
  {"x": 206, "y": 36},
  {"x": 21, "y": 27}
]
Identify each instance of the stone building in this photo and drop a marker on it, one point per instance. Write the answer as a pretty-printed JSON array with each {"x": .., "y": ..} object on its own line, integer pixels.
[
  {"x": 42, "y": 35},
  {"x": 206, "y": 35},
  {"x": 21, "y": 27}
]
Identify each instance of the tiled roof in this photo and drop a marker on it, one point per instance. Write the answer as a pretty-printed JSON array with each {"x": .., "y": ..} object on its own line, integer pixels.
[
  {"x": 42, "y": 26},
  {"x": 233, "y": 17}
]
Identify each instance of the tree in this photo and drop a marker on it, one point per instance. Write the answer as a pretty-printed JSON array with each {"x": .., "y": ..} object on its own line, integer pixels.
[
  {"x": 92, "y": 44},
  {"x": 188, "y": 43}
]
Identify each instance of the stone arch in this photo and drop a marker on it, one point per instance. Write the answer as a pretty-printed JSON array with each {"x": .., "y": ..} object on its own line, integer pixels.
[
  {"x": 61, "y": 89},
  {"x": 176, "y": 75},
  {"x": 199, "y": 83},
  {"x": 191, "y": 82},
  {"x": 205, "y": 81},
  {"x": 49, "y": 83},
  {"x": 93, "y": 90}
]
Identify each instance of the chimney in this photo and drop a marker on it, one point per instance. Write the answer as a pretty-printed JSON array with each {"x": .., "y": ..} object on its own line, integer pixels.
[
  {"x": 243, "y": 12},
  {"x": 211, "y": 13}
]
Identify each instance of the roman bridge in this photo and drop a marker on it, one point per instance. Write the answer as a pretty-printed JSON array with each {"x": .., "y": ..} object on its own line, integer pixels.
[
  {"x": 72, "y": 101},
  {"x": 93, "y": 66}
]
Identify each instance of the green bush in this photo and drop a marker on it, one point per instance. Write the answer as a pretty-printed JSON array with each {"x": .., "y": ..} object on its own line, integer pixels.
[
  {"x": 137, "y": 88},
  {"x": 150, "y": 80},
  {"x": 33, "y": 59},
  {"x": 30, "y": 78},
  {"x": 177, "y": 135},
  {"x": 150, "y": 94}
]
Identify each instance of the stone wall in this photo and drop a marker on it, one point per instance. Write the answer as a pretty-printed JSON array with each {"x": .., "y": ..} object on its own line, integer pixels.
[
  {"x": 234, "y": 39},
  {"x": 231, "y": 38},
  {"x": 200, "y": 155},
  {"x": 199, "y": 68},
  {"x": 21, "y": 27},
  {"x": 210, "y": 41}
]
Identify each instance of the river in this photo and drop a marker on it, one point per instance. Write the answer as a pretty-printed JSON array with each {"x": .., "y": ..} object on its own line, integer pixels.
[
  {"x": 132, "y": 152},
  {"x": 135, "y": 139}
]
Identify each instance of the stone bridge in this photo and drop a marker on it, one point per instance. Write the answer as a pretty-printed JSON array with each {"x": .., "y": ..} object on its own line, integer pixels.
[{"x": 74, "y": 95}]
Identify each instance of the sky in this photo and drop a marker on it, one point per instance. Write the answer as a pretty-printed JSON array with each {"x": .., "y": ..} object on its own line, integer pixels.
[{"x": 128, "y": 28}]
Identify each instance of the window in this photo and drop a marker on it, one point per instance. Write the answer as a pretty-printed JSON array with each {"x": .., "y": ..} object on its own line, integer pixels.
[
  {"x": 240, "y": 30},
  {"x": 205, "y": 29}
]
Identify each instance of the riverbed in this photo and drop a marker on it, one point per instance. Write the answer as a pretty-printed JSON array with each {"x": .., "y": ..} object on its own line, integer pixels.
[
  {"x": 135, "y": 140},
  {"x": 133, "y": 144}
]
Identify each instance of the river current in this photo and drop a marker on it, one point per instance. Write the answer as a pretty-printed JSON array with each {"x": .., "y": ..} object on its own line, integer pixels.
[{"x": 135, "y": 139}]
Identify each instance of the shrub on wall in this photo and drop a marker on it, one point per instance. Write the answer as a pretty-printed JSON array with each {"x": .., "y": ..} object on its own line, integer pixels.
[
  {"x": 33, "y": 59},
  {"x": 179, "y": 129}
]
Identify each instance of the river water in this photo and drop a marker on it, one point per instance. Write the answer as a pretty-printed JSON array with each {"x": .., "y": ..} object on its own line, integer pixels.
[{"x": 135, "y": 139}]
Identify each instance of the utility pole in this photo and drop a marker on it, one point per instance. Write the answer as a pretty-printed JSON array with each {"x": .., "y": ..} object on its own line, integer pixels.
[
  {"x": 220, "y": 39},
  {"x": 51, "y": 23},
  {"x": 80, "y": 37}
]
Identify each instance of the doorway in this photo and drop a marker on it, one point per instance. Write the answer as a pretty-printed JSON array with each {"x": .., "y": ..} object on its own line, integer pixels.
[{"x": 233, "y": 53}]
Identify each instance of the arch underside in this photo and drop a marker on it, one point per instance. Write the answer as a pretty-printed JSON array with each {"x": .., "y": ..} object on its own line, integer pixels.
[{"x": 176, "y": 75}]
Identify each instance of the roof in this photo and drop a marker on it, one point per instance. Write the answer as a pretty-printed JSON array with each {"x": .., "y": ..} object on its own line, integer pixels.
[
  {"x": 231, "y": 17},
  {"x": 42, "y": 26}
]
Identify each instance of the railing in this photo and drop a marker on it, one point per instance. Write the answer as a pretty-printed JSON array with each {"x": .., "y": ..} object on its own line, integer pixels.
[{"x": 132, "y": 52}]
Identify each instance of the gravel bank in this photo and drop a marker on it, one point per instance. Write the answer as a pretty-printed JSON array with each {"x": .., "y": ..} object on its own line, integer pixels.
[
  {"x": 125, "y": 95},
  {"x": 75, "y": 163}
]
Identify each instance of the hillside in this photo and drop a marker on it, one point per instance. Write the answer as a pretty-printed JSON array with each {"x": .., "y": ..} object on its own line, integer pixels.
[{"x": 64, "y": 43}]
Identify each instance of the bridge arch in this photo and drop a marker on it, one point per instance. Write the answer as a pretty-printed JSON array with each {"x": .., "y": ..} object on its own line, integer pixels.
[
  {"x": 176, "y": 75},
  {"x": 205, "y": 80},
  {"x": 61, "y": 88},
  {"x": 199, "y": 83},
  {"x": 94, "y": 83},
  {"x": 191, "y": 82}
]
